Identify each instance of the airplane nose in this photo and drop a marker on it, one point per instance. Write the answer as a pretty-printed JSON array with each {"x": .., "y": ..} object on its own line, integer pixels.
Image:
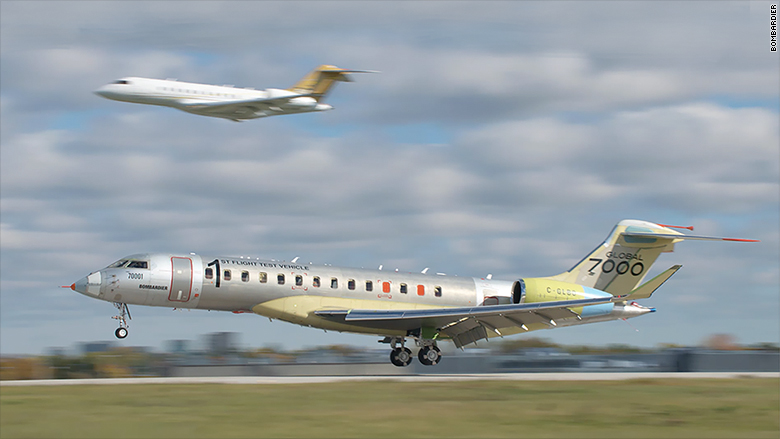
[
  {"x": 101, "y": 92},
  {"x": 88, "y": 285},
  {"x": 80, "y": 285}
]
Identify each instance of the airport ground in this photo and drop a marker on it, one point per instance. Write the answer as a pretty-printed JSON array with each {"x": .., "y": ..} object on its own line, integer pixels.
[{"x": 636, "y": 407}]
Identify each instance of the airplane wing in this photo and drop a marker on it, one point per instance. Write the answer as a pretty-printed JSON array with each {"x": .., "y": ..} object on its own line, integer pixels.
[
  {"x": 257, "y": 104},
  {"x": 468, "y": 324}
]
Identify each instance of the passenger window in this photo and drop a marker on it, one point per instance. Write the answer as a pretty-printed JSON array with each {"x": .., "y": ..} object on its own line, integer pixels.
[
  {"x": 385, "y": 287},
  {"x": 351, "y": 284},
  {"x": 209, "y": 273},
  {"x": 244, "y": 276},
  {"x": 316, "y": 281},
  {"x": 263, "y": 277},
  {"x": 299, "y": 281},
  {"x": 437, "y": 291},
  {"x": 420, "y": 290},
  {"x": 280, "y": 279},
  {"x": 369, "y": 286},
  {"x": 334, "y": 283},
  {"x": 226, "y": 275},
  {"x": 403, "y": 288}
]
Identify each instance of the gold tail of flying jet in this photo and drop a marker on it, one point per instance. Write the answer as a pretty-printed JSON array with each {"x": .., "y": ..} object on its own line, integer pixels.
[{"x": 321, "y": 80}]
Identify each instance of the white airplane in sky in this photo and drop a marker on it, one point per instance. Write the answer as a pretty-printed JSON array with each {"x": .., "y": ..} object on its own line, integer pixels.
[
  {"x": 397, "y": 306},
  {"x": 229, "y": 102}
]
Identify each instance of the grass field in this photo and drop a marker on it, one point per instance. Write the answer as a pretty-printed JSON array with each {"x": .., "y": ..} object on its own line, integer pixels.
[{"x": 743, "y": 408}]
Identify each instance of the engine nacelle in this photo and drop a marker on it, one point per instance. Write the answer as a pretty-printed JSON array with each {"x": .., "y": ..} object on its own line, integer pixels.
[
  {"x": 539, "y": 289},
  {"x": 302, "y": 102}
]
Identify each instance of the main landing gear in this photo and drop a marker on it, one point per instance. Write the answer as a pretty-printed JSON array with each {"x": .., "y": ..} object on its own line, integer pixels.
[
  {"x": 399, "y": 356},
  {"x": 429, "y": 354},
  {"x": 123, "y": 317}
]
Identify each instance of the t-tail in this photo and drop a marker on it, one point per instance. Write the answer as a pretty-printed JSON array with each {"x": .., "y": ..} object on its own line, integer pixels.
[
  {"x": 321, "y": 80},
  {"x": 622, "y": 261}
]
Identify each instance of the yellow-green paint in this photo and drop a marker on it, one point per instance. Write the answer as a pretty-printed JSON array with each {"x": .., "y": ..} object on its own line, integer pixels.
[
  {"x": 539, "y": 289},
  {"x": 300, "y": 310}
]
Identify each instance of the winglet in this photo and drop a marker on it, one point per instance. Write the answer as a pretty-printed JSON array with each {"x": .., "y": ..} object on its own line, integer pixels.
[{"x": 648, "y": 288}]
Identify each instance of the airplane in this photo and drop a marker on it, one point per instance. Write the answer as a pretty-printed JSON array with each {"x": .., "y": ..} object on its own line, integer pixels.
[
  {"x": 229, "y": 102},
  {"x": 603, "y": 286}
]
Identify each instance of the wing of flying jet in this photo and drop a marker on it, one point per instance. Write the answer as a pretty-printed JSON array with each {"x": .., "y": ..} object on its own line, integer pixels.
[
  {"x": 240, "y": 107},
  {"x": 469, "y": 324}
]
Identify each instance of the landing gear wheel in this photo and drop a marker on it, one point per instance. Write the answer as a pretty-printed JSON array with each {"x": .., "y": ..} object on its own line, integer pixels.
[
  {"x": 401, "y": 357},
  {"x": 429, "y": 355},
  {"x": 120, "y": 332},
  {"x": 123, "y": 317}
]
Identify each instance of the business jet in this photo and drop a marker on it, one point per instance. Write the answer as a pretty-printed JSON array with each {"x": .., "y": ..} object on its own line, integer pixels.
[
  {"x": 424, "y": 308},
  {"x": 229, "y": 102}
]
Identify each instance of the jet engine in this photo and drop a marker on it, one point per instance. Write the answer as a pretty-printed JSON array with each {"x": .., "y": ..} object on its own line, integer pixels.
[
  {"x": 539, "y": 289},
  {"x": 302, "y": 102}
]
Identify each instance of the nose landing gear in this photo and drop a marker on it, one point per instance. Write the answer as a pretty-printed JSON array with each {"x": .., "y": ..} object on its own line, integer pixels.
[{"x": 123, "y": 317}]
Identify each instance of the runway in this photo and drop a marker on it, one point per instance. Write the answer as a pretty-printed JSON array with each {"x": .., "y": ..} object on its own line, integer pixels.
[{"x": 245, "y": 380}]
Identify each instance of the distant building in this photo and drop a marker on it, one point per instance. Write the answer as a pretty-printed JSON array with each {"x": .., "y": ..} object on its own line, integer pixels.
[
  {"x": 177, "y": 346},
  {"x": 221, "y": 343},
  {"x": 95, "y": 346},
  {"x": 55, "y": 352}
]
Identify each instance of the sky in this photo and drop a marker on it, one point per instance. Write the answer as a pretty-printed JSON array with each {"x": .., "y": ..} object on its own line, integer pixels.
[{"x": 500, "y": 137}]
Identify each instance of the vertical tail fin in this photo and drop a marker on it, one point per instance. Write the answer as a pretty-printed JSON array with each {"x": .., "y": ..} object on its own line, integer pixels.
[
  {"x": 321, "y": 80},
  {"x": 622, "y": 261}
]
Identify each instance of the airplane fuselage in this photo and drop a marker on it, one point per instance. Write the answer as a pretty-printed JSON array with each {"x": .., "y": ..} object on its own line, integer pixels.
[
  {"x": 195, "y": 98},
  {"x": 293, "y": 292},
  {"x": 397, "y": 305}
]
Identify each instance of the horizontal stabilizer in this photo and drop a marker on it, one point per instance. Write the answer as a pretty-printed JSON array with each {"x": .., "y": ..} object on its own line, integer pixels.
[
  {"x": 648, "y": 288},
  {"x": 337, "y": 70},
  {"x": 681, "y": 236}
]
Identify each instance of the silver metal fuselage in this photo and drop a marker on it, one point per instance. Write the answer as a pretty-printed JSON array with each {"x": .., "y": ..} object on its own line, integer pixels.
[{"x": 293, "y": 291}]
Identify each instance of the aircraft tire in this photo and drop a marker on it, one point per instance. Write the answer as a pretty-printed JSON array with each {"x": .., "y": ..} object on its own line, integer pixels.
[
  {"x": 401, "y": 357},
  {"x": 429, "y": 355},
  {"x": 120, "y": 333}
]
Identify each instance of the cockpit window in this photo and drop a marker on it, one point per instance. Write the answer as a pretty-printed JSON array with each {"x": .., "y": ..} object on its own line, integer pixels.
[
  {"x": 119, "y": 264},
  {"x": 122, "y": 81},
  {"x": 127, "y": 263}
]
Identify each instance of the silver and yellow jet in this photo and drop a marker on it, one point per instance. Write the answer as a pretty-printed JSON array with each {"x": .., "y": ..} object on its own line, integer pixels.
[
  {"x": 399, "y": 306},
  {"x": 230, "y": 102}
]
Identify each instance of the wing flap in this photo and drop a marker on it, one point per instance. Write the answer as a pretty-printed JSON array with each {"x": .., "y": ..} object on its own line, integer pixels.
[{"x": 464, "y": 338}]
